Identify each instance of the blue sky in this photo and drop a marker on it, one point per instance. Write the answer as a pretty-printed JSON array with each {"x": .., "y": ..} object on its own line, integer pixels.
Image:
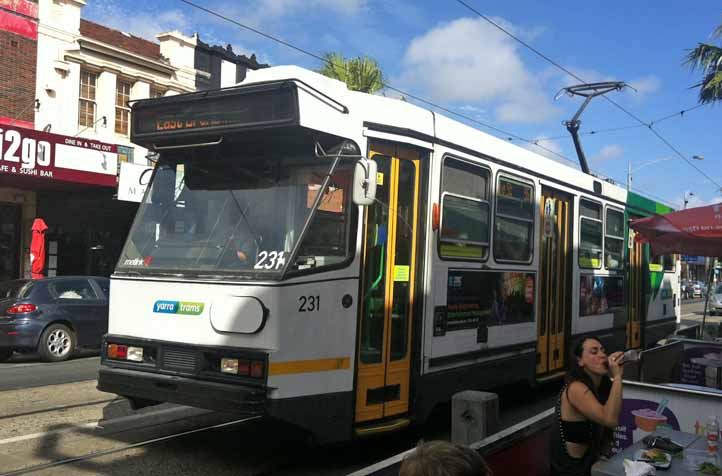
[{"x": 441, "y": 51}]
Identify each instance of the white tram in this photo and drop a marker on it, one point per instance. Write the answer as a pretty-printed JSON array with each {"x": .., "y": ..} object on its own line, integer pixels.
[{"x": 273, "y": 270}]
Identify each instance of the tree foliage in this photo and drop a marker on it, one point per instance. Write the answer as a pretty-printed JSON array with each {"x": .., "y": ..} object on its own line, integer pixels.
[
  {"x": 360, "y": 74},
  {"x": 707, "y": 59}
]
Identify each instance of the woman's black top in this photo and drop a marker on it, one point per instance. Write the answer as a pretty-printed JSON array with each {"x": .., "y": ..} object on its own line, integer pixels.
[
  {"x": 577, "y": 431},
  {"x": 562, "y": 463}
]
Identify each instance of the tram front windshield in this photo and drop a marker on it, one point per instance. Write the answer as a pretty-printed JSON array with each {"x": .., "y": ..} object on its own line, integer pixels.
[{"x": 240, "y": 209}]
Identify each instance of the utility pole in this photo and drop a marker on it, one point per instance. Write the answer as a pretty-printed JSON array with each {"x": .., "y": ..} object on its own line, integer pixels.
[
  {"x": 588, "y": 91},
  {"x": 629, "y": 175},
  {"x": 686, "y": 198}
]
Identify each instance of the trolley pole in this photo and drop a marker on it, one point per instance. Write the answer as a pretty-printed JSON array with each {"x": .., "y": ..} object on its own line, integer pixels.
[{"x": 588, "y": 91}]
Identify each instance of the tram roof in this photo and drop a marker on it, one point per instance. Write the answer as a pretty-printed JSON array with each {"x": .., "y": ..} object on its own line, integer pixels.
[{"x": 368, "y": 108}]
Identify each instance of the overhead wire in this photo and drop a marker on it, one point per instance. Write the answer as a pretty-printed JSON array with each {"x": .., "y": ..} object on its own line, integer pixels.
[
  {"x": 507, "y": 134},
  {"x": 631, "y": 126},
  {"x": 648, "y": 125}
]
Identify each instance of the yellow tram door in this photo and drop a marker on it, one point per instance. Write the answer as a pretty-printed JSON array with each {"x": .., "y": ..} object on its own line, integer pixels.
[
  {"x": 636, "y": 293},
  {"x": 554, "y": 282},
  {"x": 387, "y": 301}
]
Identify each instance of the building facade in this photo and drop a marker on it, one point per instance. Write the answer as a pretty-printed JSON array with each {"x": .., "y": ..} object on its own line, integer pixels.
[{"x": 66, "y": 87}]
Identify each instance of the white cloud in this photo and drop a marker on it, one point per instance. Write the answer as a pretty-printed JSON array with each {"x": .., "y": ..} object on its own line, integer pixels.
[
  {"x": 279, "y": 8},
  {"x": 146, "y": 24},
  {"x": 608, "y": 152},
  {"x": 550, "y": 149},
  {"x": 470, "y": 61},
  {"x": 472, "y": 110},
  {"x": 646, "y": 84}
]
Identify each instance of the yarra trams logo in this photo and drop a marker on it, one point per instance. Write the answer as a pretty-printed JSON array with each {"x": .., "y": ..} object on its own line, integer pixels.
[{"x": 178, "y": 307}]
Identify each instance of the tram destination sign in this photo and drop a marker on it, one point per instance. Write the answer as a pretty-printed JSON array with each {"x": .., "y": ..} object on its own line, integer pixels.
[{"x": 216, "y": 111}]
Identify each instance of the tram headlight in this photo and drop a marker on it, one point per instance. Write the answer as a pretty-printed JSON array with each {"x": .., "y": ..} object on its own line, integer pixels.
[
  {"x": 229, "y": 366},
  {"x": 135, "y": 354}
]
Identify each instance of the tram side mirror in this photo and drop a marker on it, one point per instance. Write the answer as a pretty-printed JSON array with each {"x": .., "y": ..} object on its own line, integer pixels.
[{"x": 364, "y": 182}]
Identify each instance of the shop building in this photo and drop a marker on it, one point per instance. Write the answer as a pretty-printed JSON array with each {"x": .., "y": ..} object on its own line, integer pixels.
[{"x": 68, "y": 86}]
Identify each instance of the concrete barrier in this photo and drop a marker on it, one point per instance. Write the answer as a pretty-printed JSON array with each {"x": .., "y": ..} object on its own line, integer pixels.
[{"x": 474, "y": 416}]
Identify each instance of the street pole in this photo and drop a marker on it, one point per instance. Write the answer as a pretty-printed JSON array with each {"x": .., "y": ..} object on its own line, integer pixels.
[{"x": 629, "y": 176}]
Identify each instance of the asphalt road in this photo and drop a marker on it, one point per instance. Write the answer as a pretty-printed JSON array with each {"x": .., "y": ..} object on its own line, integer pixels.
[
  {"x": 28, "y": 371},
  {"x": 692, "y": 312},
  {"x": 30, "y": 436}
]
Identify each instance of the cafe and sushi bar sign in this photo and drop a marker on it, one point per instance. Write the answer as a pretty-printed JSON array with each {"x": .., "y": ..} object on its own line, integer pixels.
[{"x": 55, "y": 157}]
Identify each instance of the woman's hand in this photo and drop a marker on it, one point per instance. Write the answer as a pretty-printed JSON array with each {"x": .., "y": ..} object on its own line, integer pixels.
[{"x": 614, "y": 368}]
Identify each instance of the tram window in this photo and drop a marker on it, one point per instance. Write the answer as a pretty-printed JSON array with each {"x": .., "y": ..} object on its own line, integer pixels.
[
  {"x": 514, "y": 222},
  {"x": 590, "y": 235},
  {"x": 465, "y": 211},
  {"x": 242, "y": 212},
  {"x": 614, "y": 240}
]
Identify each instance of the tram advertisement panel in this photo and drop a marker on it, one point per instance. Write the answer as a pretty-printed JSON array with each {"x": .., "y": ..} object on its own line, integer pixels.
[
  {"x": 481, "y": 299},
  {"x": 600, "y": 294}
]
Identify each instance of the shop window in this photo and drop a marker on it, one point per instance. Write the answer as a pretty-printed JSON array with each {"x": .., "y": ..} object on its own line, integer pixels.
[
  {"x": 514, "y": 221},
  {"x": 590, "y": 234},
  {"x": 614, "y": 240},
  {"x": 87, "y": 105},
  {"x": 464, "y": 211},
  {"x": 122, "y": 108}
]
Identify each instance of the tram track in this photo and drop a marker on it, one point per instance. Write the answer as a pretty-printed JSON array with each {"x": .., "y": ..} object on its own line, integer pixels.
[
  {"x": 59, "y": 408},
  {"x": 120, "y": 449}
]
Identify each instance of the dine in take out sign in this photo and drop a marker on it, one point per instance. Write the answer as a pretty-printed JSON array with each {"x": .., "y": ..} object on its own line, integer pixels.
[{"x": 55, "y": 157}]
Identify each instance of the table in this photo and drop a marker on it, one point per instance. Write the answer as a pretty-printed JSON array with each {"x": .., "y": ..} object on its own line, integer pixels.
[{"x": 615, "y": 465}]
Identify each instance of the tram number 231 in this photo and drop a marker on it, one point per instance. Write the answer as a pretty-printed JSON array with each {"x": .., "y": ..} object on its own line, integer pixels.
[{"x": 309, "y": 303}]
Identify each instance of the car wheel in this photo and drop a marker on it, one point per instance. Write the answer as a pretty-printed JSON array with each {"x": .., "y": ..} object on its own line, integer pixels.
[
  {"x": 57, "y": 343},
  {"x": 5, "y": 354}
]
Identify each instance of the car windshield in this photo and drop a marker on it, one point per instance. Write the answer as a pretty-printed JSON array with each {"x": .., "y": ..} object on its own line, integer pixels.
[
  {"x": 240, "y": 209},
  {"x": 17, "y": 289}
]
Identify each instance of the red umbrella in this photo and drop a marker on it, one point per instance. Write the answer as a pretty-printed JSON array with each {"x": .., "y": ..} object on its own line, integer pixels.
[
  {"x": 37, "y": 249},
  {"x": 695, "y": 231}
]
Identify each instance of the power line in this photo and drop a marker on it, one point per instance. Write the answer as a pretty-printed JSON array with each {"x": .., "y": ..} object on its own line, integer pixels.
[
  {"x": 648, "y": 125},
  {"x": 509, "y": 135},
  {"x": 631, "y": 126}
]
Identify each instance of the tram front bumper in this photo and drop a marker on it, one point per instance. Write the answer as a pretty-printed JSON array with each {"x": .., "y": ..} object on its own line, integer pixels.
[{"x": 142, "y": 385}]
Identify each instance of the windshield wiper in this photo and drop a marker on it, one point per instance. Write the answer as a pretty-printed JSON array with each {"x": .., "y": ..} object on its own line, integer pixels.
[{"x": 316, "y": 202}]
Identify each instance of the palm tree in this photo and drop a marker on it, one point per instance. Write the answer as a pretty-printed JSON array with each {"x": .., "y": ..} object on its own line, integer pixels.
[
  {"x": 708, "y": 59},
  {"x": 360, "y": 74}
]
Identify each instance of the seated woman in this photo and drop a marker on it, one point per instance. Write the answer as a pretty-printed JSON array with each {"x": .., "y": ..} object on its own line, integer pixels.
[{"x": 587, "y": 409}]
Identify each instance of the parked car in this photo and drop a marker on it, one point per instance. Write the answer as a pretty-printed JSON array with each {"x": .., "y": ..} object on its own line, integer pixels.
[
  {"x": 700, "y": 289},
  {"x": 53, "y": 316}
]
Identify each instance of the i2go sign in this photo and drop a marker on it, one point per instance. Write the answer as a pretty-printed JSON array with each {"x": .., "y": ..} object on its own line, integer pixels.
[{"x": 24, "y": 151}]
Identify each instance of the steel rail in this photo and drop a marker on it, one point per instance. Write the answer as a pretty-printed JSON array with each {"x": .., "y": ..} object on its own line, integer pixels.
[
  {"x": 98, "y": 454},
  {"x": 60, "y": 408}
]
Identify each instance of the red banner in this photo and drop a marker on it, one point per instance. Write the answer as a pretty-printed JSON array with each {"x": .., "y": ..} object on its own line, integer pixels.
[{"x": 54, "y": 157}]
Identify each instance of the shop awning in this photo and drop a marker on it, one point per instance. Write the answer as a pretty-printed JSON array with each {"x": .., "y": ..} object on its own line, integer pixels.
[{"x": 695, "y": 231}]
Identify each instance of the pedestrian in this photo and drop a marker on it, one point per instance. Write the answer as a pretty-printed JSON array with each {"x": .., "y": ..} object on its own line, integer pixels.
[
  {"x": 587, "y": 409},
  {"x": 441, "y": 458}
]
